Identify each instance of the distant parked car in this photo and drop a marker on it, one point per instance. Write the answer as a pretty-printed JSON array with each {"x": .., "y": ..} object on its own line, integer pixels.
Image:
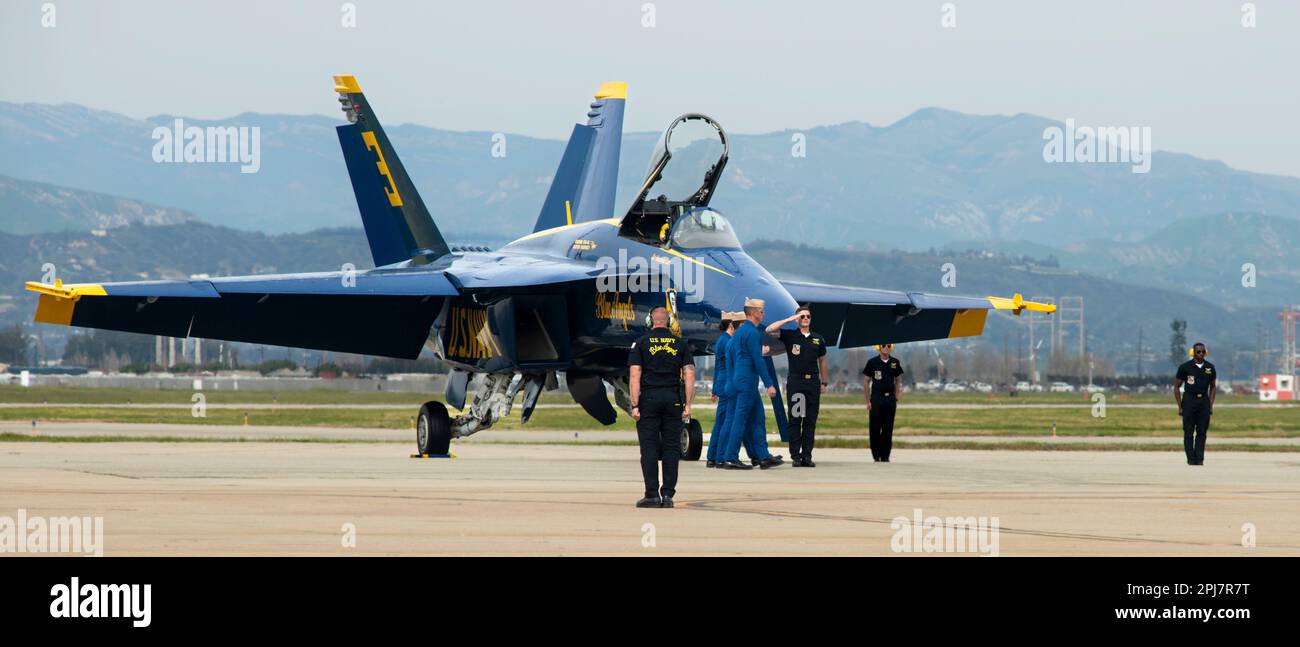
[
  {"x": 1062, "y": 387},
  {"x": 983, "y": 388},
  {"x": 954, "y": 387},
  {"x": 929, "y": 385},
  {"x": 1094, "y": 388}
]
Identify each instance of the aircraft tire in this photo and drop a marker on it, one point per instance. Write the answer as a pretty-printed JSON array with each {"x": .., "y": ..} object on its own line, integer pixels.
[
  {"x": 433, "y": 429},
  {"x": 692, "y": 441}
]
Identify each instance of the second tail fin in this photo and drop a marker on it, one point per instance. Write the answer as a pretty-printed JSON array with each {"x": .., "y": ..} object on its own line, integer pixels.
[
  {"x": 584, "y": 184},
  {"x": 398, "y": 225}
]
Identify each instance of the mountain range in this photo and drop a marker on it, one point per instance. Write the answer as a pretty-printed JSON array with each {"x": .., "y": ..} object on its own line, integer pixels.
[{"x": 932, "y": 178}]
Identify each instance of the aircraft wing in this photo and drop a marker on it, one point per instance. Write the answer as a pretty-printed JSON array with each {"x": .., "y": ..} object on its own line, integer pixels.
[
  {"x": 372, "y": 312},
  {"x": 489, "y": 270},
  {"x": 854, "y": 317}
]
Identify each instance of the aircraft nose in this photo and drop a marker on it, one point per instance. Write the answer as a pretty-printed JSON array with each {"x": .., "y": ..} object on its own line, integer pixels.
[
  {"x": 778, "y": 304},
  {"x": 757, "y": 283}
]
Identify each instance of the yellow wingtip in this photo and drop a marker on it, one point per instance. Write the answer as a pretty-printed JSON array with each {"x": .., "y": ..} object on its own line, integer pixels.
[
  {"x": 1017, "y": 304},
  {"x": 60, "y": 291},
  {"x": 346, "y": 83},
  {"x": 612, "y": 90}
]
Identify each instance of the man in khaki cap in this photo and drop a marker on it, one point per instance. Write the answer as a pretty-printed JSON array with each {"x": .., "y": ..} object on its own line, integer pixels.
[{"x": 745, "y": 360}]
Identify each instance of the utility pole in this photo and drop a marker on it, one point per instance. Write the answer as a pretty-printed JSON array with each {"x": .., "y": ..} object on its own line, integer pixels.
[
  {"x": 1020, "y": 349},
  {"x": 1139, "y": 353},
  {"x": 1033, "y": 320},
  {"x": 1290, "y": 315}
]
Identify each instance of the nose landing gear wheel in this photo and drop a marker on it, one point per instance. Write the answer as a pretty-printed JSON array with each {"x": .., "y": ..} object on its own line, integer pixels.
[
  {"x": 433, "y": 429},
  {"x": 692, "y": 440}
]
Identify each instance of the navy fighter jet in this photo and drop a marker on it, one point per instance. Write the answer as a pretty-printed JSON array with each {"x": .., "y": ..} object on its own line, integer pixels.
[{"x": 569, "y": 297}]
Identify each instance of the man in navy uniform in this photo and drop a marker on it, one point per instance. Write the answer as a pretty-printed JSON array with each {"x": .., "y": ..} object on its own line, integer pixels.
[
  {"x": 882, "y": 380},
  {"x": 805, "y": 382},
  {"x": 1194, "y": 388},
  {"x": 661, "y": 378}
]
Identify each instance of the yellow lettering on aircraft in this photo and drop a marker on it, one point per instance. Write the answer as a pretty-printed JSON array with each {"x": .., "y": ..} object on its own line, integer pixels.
[
  {"x": 393, "y": 197},
  {"x": 611, "y": 307},
  {"x": 469, "y": 336}
]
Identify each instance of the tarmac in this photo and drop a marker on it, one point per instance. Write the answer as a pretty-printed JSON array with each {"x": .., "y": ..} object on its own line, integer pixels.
[
  {"x": 207, "y": 432},
  {"x": 371, "y": 498}
]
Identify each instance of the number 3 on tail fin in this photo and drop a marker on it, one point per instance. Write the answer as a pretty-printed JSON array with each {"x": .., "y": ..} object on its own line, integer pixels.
[{"x": 394, "y": 198}]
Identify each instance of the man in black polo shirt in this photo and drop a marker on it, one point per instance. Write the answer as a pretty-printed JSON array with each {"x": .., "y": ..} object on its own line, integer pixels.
[
  {"x": 661, "y": 378},
  {"x": 882, "y": 380},
  {"x": 806, "y": 381},
  {"x": 1194, "y": 388}
]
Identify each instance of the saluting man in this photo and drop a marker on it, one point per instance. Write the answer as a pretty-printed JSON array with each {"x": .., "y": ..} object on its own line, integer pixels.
[
  {"x": 659, "y": 366},
  {"x": 745, "y": 359},
  {"x": 721, "y": 380},
  {"x": 805, "y": 382},
  {"x": 882, "y": 382},
  {"x": 1194, "y": 388}
]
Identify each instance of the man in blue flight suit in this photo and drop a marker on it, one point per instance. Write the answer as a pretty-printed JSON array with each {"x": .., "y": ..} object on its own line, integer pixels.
[
  {"x": 721, "y": 377},
  {"x": 745, "y": 359}
]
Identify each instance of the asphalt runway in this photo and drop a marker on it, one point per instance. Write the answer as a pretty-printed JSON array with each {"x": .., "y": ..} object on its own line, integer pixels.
[
  {"x": 261, "y": 498},
  {"x": 207, "y": 432}
]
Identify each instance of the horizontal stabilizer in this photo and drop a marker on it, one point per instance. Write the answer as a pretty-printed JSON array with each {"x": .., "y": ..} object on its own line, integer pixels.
[{"x": 851, "y": 317}]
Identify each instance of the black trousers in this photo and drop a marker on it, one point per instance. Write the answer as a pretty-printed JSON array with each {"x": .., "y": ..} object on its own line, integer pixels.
[
  {"x": 804, "y": 399},
  {"x": 882, "y": 426},
  {"x": 659, "y": 432},
  {"x": 1196, "y": 424}
]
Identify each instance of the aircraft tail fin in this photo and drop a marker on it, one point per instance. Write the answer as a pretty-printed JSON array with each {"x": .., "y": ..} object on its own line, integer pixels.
[
  {"x": 398, "y": 225},
  {"x": 585, "y": 182}
]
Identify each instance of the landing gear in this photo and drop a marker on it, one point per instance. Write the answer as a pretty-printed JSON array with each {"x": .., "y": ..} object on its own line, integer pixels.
[
  {"x": 433, "y": 429},
  {"x": 692, "y": 440},
  {"x": 493, "y": 400}
]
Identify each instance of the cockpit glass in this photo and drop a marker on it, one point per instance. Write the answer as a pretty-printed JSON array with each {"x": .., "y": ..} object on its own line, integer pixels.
[
  {"x": 695, "y": 148},
  {"x": 704, "y": 228}
]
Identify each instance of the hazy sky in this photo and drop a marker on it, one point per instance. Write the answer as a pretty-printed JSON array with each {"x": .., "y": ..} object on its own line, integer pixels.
[{"x": 1187, "y": 68}]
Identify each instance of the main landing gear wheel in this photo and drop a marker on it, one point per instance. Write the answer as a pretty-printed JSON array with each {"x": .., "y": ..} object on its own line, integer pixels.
[
  {"x": 692, "y": 440},
  {"x": 433, "y": 429}
]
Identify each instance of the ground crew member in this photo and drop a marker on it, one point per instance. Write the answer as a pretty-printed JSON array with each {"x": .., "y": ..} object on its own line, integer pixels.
[
  {"x": 885, "y": 375},
  {"x": 804, "y": 384},
  {"x": 1194, "y": 388},
  {"x": 661, "y": 377},
  {"x": 721, "y": 377},
  {"x": 745, "y": 359}
]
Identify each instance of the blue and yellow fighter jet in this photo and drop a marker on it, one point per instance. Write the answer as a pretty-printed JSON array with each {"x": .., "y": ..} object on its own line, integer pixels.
[{"x": 570, "y": 297}]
